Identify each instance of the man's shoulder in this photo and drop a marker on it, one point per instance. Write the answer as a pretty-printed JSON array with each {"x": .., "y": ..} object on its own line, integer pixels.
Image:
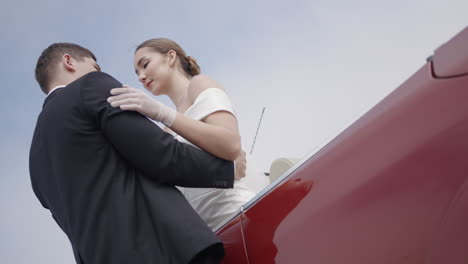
[
  {"x": 96, "y": 84},
  {"x": 95, "y": 78},
  {"x": 98, "y": 75}
]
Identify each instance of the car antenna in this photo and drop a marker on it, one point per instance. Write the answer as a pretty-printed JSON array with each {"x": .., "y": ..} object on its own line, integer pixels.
[{"x": 258, "y": 128}]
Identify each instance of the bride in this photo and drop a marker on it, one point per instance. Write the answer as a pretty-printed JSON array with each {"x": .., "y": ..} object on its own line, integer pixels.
[{"x": 204, "y": 118}]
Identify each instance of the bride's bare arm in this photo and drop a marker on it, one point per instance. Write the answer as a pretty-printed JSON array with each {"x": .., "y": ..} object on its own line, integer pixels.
[{"x": 217, "y": 133}]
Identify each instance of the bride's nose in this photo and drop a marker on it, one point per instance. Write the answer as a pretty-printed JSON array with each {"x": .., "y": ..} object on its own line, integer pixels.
[{"x": 141, "y": 77}]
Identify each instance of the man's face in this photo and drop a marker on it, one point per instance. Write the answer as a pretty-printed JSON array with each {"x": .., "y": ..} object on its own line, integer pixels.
[{"x": 85, "y": 66}]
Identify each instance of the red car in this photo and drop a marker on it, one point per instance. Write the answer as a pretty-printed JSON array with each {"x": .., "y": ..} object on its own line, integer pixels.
[{"x": 391, "y": 188}]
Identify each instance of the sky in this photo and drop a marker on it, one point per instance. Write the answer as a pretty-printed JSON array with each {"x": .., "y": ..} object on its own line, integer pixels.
[{"x": 316, "y": 67}]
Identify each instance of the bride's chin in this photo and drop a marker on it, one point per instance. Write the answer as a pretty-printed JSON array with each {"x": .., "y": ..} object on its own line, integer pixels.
[{"x": 157, "y": 92}]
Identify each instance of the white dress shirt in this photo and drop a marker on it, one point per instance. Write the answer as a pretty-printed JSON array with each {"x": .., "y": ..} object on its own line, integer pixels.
[{"x": 55, "y": 88}]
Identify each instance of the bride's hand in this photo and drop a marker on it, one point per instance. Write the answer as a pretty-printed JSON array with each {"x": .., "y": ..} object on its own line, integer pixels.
[
  {"x": 240, "y": 164},
  {"x": 128, "y": 98}
]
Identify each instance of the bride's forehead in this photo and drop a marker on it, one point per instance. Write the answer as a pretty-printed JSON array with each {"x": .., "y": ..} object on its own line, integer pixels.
[{"x": 145, "y": 53}]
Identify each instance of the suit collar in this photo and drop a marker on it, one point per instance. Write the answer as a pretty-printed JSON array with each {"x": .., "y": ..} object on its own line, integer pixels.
[
  {"x": 52, "y": 93},
  {"x": 55, "y": 88}
]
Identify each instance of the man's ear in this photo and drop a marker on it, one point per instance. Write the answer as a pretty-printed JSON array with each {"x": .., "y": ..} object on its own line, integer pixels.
[
  {"x": 172, "y": 57},
  {"x": 68, "y": 62}
]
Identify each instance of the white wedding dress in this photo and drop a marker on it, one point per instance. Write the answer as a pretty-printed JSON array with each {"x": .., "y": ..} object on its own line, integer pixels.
[{"x": 216, "y": 205}]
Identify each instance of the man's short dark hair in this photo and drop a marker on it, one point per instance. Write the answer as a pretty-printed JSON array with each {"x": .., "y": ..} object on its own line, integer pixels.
[{"x": 46, "y": 64}]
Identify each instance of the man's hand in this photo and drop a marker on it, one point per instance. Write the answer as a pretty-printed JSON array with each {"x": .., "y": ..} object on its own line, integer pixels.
[{"x": 240, "y": 163}]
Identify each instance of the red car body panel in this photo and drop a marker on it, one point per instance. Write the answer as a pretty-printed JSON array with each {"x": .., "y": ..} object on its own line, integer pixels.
[
  {"x": 233, "y": 239},
  {"x": 392, "y": 188}
]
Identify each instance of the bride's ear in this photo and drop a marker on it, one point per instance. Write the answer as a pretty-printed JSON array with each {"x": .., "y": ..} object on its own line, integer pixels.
[
  {"x": 68, "y": 63},
  {"x": 172, "y": 57}
]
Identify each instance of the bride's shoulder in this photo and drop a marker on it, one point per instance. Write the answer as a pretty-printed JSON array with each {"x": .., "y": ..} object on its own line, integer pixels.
[{"x": 200, "y": 83}]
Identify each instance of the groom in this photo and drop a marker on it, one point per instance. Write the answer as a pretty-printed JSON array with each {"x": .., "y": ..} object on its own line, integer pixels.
[{"x": 107, "y": 176}]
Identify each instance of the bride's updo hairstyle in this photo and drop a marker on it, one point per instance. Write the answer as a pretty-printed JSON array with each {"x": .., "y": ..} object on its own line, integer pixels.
[{"x": 164, "y": 45}]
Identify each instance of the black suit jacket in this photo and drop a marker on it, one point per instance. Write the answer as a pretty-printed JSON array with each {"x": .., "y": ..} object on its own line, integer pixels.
[{"x": 107, "y": 176}]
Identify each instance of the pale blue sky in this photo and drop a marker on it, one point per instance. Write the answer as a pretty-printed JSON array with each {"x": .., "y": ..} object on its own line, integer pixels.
[{"x": 316, "y": 66}]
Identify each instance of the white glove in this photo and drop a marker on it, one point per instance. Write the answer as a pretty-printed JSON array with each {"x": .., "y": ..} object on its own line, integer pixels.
[
  {"x": 128, "y": 98},
  {"x": 163, "y": 113}
]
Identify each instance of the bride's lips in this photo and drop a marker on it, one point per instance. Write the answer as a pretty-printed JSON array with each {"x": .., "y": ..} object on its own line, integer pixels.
[{"x": 148, "y": 84}]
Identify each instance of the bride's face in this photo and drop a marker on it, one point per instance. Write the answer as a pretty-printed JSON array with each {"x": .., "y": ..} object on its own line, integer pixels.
[{"x": 153, "y": 70}]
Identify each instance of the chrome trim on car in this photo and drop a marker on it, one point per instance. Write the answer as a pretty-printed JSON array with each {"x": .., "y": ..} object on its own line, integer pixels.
[
  {"x": 276, "y": 182},
  {"x": 263, "y": 192},
  {"x": 234, "y": 215},
  {"x": 260, "y": 194},
  {"x": 281, "y": 178}
]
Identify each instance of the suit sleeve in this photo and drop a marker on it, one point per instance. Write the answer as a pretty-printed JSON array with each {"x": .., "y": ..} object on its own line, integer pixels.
[{"x": 146, "y": 146}]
